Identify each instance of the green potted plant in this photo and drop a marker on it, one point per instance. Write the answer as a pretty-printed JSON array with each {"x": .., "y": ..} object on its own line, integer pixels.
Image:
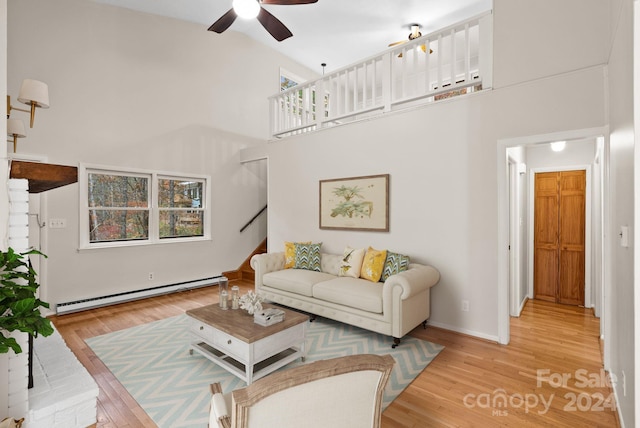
[{"x": 19, "y": 306}]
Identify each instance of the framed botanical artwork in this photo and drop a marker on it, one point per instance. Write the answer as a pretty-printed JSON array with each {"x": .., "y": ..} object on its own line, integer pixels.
[{"x": 355, "y": 203}]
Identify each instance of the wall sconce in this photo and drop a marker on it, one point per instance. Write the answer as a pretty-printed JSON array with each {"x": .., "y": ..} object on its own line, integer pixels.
[
  {"x": 15, "y": 129},
  {"x": 32, "y": 93}
]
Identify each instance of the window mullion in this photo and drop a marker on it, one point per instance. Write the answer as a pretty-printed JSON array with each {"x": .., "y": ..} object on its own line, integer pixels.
[{"x": 154, "y": 217}]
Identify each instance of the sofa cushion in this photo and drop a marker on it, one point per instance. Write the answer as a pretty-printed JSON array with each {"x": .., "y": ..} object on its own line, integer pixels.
[
  {"x": 373, "y": 264},
  {"x": 352, "y": 262},
  {"x": 308, "y": 256},
  {"x": 395, "y": 263},
  {"x": 353, "y": 292},
  {"x": 299, "y": 281}
]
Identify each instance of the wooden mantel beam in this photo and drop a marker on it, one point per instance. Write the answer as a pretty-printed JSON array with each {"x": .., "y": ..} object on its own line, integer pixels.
[{"x": 43, "y": 176}]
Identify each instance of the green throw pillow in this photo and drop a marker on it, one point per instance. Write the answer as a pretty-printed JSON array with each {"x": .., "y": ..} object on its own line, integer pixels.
[
  {"x": 395, "y": 263},
  {"x": 308, "y": 257}
]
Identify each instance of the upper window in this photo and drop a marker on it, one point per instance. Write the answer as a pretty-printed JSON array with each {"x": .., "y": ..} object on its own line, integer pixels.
[
  {"x": 138, "y": 207},
  {"x": 288, "y": 80}
]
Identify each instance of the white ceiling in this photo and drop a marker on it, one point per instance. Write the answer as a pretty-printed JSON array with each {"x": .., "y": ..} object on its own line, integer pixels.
[{"x": 336, "y": 32}]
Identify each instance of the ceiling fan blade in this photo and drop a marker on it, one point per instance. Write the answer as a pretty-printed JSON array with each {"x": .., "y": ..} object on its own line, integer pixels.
[
  {"x": 288, "y": 2},
  {"x": 224, "y": 21},
  {"x": 273, "y": 25}
]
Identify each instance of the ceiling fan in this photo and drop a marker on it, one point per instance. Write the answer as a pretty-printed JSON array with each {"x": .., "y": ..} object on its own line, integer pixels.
[
  {"x": 415, "y": 33},
  {"x": 253, "y": 8}
]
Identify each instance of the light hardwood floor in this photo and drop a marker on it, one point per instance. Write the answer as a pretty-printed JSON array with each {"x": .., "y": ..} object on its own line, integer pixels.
[{"x": 549, "y": 375}]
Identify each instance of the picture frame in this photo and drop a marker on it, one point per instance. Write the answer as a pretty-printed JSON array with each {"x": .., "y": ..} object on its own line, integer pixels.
[{"x": 355, "y": 203}]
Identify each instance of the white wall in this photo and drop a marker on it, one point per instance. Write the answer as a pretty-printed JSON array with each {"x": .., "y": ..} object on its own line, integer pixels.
[
  {"x": 622, "y": 144},
  {"x": 536, "y": 39},
  {"x": 575, "y": 153},
  {"x": 443, "y": 191},
  {"x": 136, "y": 90}
]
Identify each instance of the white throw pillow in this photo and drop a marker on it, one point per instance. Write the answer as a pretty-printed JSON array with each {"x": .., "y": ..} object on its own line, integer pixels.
[{"x": 352, "y": 262}]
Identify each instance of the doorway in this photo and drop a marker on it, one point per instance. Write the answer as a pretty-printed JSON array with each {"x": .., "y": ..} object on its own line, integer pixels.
[
  {"x": 559, "y": 237},
  {"x": 593, "y": 236}
]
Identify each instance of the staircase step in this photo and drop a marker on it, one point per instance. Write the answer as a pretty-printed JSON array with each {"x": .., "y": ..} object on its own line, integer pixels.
[{"x": 245, "y": 272}]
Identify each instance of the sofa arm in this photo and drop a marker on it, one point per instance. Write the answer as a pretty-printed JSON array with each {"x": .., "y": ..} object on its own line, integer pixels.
[
  {"x": 265, "y": 263},
  {"x": 414, "y": 280}
]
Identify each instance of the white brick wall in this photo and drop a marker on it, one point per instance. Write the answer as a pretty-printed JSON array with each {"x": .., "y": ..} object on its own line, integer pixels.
[
  {"x": 19, "y": 241},
  {"x": 64, "y": 395}
]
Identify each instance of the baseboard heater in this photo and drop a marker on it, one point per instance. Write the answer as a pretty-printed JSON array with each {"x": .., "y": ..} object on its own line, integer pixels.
[{"x": 127, "y": 296}]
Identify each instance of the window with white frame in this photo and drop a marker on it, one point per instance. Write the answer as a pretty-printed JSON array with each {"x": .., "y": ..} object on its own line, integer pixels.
[{"x": 133, "y": 207}]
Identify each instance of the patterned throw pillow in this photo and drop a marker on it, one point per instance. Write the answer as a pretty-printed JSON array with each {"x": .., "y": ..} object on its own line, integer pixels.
[
  {"x": 373, "y": 264},
  {"x": 290, "y": 254},
  {"x": 308, "y": 257},
  {"x": 395, "y": 263},
  {"x": 351, "y": 262}
]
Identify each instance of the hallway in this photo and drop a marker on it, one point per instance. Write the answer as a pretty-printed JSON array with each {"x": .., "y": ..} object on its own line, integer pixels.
[{"x": 549, "y": 375}]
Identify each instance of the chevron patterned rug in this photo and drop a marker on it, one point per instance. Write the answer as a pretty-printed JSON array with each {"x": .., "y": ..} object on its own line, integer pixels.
[{"x": 153, "y": 363}]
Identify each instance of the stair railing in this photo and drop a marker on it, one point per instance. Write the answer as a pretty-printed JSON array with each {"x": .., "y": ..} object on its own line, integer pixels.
[
  {"x": 253, "y": 219},
  {"x": 451, "y": 61}
]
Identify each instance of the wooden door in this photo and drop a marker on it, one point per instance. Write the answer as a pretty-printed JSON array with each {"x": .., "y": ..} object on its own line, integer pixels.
[
  {"x": 559, "y": 234},
  {"x": 545, "y": 259}
]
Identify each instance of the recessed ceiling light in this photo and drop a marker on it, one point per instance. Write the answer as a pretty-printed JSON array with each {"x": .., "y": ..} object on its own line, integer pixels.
[{"x": 558, "y": 146}]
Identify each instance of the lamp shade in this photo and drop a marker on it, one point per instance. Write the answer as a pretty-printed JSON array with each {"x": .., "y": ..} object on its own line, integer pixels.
[
  {"x": 34, "y": 91},
  {"x": 15, "y": 128}
]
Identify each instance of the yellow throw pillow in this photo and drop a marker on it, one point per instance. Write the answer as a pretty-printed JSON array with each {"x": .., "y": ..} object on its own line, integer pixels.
[
  {"x": 373, "y": 264},
  {"x": 290, "y": 253}
]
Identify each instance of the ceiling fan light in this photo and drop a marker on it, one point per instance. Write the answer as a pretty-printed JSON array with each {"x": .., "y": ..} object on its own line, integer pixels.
[{"x": 246, "y": 9}]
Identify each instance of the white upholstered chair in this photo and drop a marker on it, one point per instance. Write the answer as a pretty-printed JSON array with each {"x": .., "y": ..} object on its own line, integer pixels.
[{"x": 339, "y": 392}]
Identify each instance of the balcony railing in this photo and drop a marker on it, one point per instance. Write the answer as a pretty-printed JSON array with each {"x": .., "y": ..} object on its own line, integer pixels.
[{"x": 453, "y": 61}]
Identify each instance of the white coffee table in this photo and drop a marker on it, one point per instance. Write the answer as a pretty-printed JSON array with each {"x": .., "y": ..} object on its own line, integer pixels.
[{"x": 248, "y": 350}]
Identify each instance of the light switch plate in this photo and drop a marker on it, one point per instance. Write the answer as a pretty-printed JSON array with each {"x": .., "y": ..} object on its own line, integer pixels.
[{"x": 58, "y": 223}]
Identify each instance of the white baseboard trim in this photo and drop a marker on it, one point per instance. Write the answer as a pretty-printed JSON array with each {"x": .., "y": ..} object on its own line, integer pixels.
[
  {"x": 524, "y": 302},
  {"x": 618, "y": 410},
  {"x": 464, "y": 331}
]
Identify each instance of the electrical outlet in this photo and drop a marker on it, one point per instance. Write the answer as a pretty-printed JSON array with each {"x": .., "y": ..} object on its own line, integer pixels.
[
  {"x": 150, "y": 276},
  {"x": 58, "y": 223},
  {"x": 465, "y": 306}
]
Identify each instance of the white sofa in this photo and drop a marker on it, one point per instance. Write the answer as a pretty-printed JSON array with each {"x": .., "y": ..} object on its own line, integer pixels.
[{"x": 392, "y": 308}]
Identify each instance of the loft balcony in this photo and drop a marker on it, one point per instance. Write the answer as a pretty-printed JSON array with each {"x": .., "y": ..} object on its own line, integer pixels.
[{"x": 453, "y": 61}]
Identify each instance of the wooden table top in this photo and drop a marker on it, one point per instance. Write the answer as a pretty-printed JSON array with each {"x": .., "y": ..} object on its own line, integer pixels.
[{"x": 239, "y": 324}]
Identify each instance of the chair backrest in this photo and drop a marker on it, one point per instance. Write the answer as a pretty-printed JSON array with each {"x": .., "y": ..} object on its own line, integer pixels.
[{"x": 340, "y": 392}]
